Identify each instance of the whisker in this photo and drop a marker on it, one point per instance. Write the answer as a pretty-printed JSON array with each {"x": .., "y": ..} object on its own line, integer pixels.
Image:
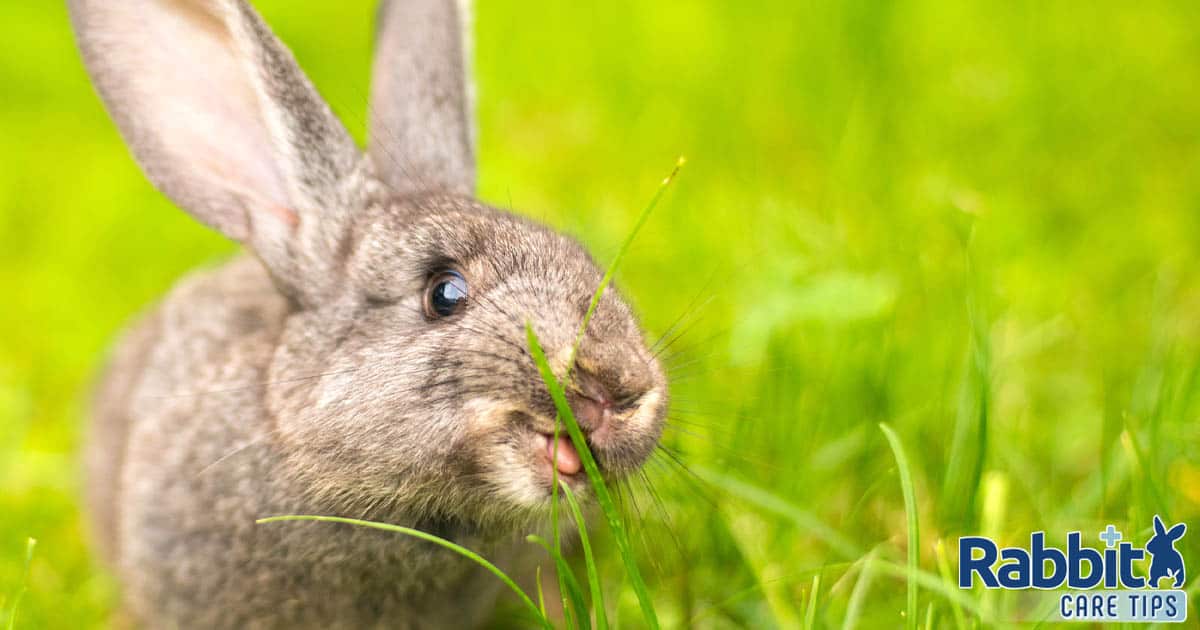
[{"x": 255, "y": 442}]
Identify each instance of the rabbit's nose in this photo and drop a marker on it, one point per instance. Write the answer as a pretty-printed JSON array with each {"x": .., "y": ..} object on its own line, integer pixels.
[{"x": 591, "y": 402}]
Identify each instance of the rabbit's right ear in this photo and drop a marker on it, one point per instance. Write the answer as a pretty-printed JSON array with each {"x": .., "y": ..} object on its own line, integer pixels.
[
  {"x": 421, "y": 133},
  {"x": 224, "y": 122},
  {"x": 1159, "y": 529},
  {"x": 1175, "y": 533}
]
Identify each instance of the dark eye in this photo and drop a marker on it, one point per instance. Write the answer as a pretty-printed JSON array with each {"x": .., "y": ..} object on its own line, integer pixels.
[{"x": 446, "y": 295}]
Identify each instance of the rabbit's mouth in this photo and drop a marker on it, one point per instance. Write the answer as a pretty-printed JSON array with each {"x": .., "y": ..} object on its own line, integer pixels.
[
  {"x": 559, "y": 452},
  {"x": 553, "y": 457},
  {"x": 524, "y": 453},
  {"x": 618, "y": 438}
]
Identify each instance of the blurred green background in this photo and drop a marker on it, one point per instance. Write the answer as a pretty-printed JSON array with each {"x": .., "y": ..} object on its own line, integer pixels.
[{"x": 978, "y": 223}]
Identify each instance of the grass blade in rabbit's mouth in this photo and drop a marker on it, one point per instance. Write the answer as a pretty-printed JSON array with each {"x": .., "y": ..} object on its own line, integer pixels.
[{"x": 619, "y": 432}]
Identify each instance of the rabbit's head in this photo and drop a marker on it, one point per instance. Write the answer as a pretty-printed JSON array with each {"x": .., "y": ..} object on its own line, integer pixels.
[
  {"x": 428, "y": 389},
  {"x": 1163, "y": 540},
  {"x": 401, "y": 378}
]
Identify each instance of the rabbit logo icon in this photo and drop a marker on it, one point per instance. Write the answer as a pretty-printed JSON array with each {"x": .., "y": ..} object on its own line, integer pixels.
[{"x": 1165, "y": 560}]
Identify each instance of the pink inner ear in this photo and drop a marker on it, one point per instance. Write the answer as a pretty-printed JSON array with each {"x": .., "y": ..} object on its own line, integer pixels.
[
  {"x": 236, "y": 183},
  {"x": 187, "y": 87},
  {"x": 217, "y": 114},
  {"x": 286, "y": 215}
]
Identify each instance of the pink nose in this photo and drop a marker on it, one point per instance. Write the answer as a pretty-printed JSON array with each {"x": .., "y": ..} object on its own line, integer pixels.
[
  {"x": 592, "y": 404},
  {"x": 591, "y": 414}
]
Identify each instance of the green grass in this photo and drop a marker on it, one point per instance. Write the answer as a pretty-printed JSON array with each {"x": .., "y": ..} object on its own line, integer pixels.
[
  {"x": 15, "y": 605},
  {"x": 603, "y": 496},
  {"x": 585, "y": 546},
  {"x": 914, "y": 528},
  {"x": 978, "y": 223}
]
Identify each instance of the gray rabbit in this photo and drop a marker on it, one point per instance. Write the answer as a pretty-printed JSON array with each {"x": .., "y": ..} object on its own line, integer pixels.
[{"x": 367, "y": 357}]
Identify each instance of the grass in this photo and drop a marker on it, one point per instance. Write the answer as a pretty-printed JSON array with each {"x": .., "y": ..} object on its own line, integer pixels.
[
  {"x": 603, "y": 496},
  {"x": 977, "y": 223},
  {"x": 914, "y": 528},
  {"x": 15, "y": 605},
  {"x": 585, "y": 546}
]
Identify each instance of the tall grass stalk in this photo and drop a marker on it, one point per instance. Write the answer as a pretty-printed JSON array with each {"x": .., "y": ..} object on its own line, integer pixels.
[
  {"x": 810, "y": 610},
  {"x": 805, "y": 521},
  {"x": 592, "y": 574},
  {"x": 572, "y": 426},
  {"x": 30, "y": 545},
  {"x": 858, "y": 595},
  {"x": 574, "y": 606},
  {"x": 603, "y": 497},
  {"x": 943, "y": 562},
  {"x": 612, "y": 267},
  {"x": 914, "y": 528}
]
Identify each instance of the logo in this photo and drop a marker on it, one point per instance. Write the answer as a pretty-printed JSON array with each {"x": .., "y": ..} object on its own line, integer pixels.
[
  {"x": 1112, "y": 584},
  {"x": 1166, "y": 561}
]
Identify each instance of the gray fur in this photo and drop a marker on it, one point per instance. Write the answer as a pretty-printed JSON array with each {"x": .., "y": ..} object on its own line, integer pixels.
[{"x": 307, "y": 378}]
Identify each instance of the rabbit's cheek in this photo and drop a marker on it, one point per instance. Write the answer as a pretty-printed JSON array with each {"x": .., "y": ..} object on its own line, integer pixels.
[
  {"x": 484, "y": 416},
  {"x": 501, "y": 444},
  {"x": 517, "y": 456},
  {"x": 514, "y": 468}
]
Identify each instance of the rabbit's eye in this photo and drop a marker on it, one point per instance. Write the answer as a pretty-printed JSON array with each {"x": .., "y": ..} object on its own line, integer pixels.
[{"x": 446, "y": 295}]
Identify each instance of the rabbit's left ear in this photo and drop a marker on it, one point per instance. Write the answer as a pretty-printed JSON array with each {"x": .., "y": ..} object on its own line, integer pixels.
[
  {"x": 421, "y": 135},
  {"x": 1159, "y": 528},
  {"x": 1176, "y": 532}
]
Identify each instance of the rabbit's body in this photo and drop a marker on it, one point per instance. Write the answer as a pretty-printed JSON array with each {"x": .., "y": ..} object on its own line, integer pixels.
[
  {"x": 368, "y": 361},
  {"x": 179, "y": 522}
]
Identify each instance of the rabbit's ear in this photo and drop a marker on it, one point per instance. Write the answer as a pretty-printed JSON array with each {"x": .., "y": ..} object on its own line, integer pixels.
[
  {"x": 224, "y": 122},
  {"x": 421, "y": 129},
  {"x": 1175, "y": 533},
  {"x": 1159, "y": 529}
]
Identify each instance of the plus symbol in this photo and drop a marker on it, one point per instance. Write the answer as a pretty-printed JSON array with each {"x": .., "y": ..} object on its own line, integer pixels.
[{"x": 1110, "y": 536}]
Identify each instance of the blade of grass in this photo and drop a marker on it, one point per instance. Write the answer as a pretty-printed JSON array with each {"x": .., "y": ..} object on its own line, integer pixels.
[
  {"x": 810, "y": 611},
  {"x": 30, "y": 544},
  {"x": 804, "y": 520},
  {"x": 537, "y": 575},
  {"x": 858, "y": 595},
  {"x": 554, "y": 506},
  {"x": 587, "y": 317},
  {"x": 589, "y": 561},
  {"x": 994, "y": 502},
  {"x": 593, "y": 472},
  {"x": 939, "y": 550},
  {"x": 914, "y": 531},
  {"x": 612, "y": 267},
  {"x": 1129, "y": 440},
  {"x": 720, "y": 605},
  {"x": 969, "y": 440},
  {"x": 574, "y": 592},
  {"x": 416, "y": 533}
]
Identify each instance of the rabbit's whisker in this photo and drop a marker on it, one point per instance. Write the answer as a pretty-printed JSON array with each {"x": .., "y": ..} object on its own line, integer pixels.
[{"x": 255, "y": 442}]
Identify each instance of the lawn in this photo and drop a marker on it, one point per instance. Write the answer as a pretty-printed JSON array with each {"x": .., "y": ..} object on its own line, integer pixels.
[{"x": 975, "y": 223}]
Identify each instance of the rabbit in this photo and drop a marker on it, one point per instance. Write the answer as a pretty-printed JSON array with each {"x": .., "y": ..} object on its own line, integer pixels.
[
  {"x": 366, "y": 357},
  {"x": 1165, "y": 560}
]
